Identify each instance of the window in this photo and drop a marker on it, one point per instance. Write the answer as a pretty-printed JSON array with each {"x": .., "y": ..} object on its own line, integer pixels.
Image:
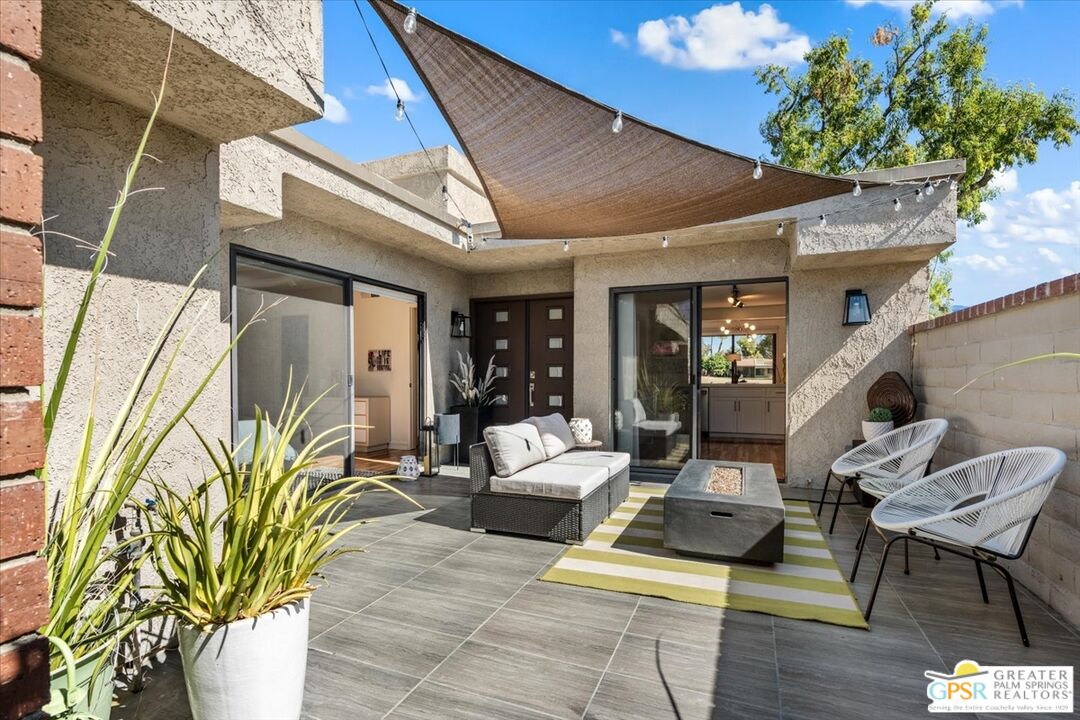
[
  {"x": 502, "y": 372},
  {"x": 555, "y": 371},
  {"x": 756, "y": 354},
  {"x": 502, "y": 344},
  {"x": 555, "y": 400},
  {"x": 555, "y": 313},
  {"x": 555, "y": 342},
  {"x": 502, "y": 316}
]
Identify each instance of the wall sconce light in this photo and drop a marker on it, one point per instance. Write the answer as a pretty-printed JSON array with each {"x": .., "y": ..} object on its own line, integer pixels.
[
  {"x": 856, "y": 308},
  {"x": 460, "y": 325}
]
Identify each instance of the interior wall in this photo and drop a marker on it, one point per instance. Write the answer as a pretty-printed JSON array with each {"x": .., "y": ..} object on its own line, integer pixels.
[{"x": 383, "y": 323}]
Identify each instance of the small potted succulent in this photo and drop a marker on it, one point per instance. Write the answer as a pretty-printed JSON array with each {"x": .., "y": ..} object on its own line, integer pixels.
[{"x": 878, "y": 423}]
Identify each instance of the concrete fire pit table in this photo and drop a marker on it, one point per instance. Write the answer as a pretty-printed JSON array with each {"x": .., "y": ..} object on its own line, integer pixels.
[{"x": 747, "y": 526}]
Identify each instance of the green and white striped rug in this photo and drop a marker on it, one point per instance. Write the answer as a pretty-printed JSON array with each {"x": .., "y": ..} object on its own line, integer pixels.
[{"x": 626, "y": 554}]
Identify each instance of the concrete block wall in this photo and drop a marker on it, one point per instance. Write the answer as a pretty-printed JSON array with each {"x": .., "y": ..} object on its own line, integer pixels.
[
  {"x": 24, "y": 597},
  {"x": 1034, "y": 404}
]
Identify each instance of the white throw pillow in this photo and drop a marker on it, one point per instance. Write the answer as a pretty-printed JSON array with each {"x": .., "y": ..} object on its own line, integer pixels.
[
  {"x": 555, "y": 434},
  {"x": 514, "y": 447}
]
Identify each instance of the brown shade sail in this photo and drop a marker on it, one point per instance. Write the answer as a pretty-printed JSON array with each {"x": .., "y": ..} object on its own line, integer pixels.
[{"x": 553, "y": 168}]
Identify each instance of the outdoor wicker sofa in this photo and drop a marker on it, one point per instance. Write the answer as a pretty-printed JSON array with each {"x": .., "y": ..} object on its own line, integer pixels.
[{"x": 561, "y": 495}]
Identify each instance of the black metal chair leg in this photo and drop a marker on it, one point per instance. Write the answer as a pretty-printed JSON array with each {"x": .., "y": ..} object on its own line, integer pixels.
[
  {"x": 907, "y": 564},
  {"x": 861, "y": 546},
  {"x": 1015, "y": 603},
  {"x": 824, "y": 493},
  {"x": 982, "y": 581},
  {"x": 880, "y": 575},
  {"x": 836, "y": 507},
  {"x": 862, "y": 537}
]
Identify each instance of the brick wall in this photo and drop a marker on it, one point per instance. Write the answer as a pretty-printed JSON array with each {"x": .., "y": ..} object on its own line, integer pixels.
[
  {"x": 24, "y": 664},
  {"x": 1035, "y": 404}
]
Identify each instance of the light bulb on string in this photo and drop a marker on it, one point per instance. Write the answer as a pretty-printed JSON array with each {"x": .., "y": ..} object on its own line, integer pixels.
[
  {"x": 753, "y": 327},
  {"x": 664, "y": 241},
  {"x": 399, "y": 113},
  {"x": 758, "y": 172},
  {"x": 410, "y": 22},
  {"x": 779, "y": 229},
  {"x": 566, "y": 246},
  {"x": 821, "y": 220},
  {"x": 445, "y": 194},
  {"x": 896, "y": 204},
  {"x": 928, "y": 188},
  {"x": 616, "y": 124},
  {"x": 857, "y": 190},
  {"x": 918, "y": 195}
]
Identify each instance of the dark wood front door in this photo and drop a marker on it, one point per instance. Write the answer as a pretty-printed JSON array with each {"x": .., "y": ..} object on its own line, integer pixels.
[{"x": 532, "y": 341}]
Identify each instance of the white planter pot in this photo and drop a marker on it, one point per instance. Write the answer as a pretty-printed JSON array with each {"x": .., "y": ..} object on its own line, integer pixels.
[
  {"x": 871, "y": 430},
  {"x": 247, "y": 669}
]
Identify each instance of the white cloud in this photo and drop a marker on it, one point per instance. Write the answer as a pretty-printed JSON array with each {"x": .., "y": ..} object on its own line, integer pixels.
[
  {"x": 333, "y": 110},
  {"x": 1044, "y": 217},
  {"x": 995, "y": 264},
  {"x": 1051, "y": 256},
  {"x": 955, "y": 9},
  {"x": 1006, "y": 181},
  {"x": 619, "y": 38},
  {"x": 403, "y": 90},
  {"x": 722, "y": 37}
]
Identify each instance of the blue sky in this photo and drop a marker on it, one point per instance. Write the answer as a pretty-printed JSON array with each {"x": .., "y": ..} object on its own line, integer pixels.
[{"x": 630, "y": 55}]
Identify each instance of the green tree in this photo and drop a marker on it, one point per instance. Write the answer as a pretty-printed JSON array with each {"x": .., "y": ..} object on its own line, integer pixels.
[
  {"x": 940, "y": 290},
  {"x": 715, "y": 365},
  {"x": 930, "y": 102}
]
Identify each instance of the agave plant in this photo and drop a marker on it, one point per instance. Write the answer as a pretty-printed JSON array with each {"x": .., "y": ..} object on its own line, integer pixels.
[
  {"x": 473, "y": 393},
  {"x": 261, "y": 550}
]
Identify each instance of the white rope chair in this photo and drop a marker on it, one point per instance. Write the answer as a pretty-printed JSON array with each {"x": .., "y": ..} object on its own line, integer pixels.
[
  {"x": 886, "y": 463},
  {"x": 982, "y": 509}
]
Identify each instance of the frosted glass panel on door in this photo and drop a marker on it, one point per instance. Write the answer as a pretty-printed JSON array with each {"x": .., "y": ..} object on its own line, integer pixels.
[
  {"x": 555, "y": 313},
  {"x": 555, "y": 371},
  {"x": 502, "y": 316},
  {"x": 502, "y": 344},
  {"x": 555, "y": 343}
]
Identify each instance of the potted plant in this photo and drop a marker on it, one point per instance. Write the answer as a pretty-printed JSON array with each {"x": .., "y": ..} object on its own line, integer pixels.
[
  {"x": 878, "y": 423},
  {"x": 477, "y": 398},
  {"x": 238, "y": 579}
]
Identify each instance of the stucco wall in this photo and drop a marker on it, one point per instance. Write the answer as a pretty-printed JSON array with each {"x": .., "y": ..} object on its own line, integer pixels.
[
  {"x": 304, "y": 239},
  {"x": 163, "y": 238},
  {"x": 1036, "y": 404},
  {"x": 527, "y": 282},
  {"x": 830, "y": 366}
]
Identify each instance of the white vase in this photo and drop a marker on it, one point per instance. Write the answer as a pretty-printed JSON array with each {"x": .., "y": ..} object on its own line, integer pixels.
[
  {"x": 581, "y": 429},
  {"x": 251, "y": 668},
  {"x": 871, "y": 430}
]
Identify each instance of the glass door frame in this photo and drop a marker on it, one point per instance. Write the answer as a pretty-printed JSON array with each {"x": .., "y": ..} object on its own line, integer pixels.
[
  {"x": 348, "y": 280},
  {"x": 695, "y": 289}
]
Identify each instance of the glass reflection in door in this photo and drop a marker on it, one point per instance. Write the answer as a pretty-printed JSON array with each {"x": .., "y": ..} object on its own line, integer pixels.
[
  {"x": 653, "y": 377},
  {"x": 304, "y": 328}
]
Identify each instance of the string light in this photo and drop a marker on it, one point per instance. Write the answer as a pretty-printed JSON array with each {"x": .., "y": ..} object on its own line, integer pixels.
[
  {"x": 566, "y": 246},
  {"x": 445, "y": 194},
  {"x": 399, "y": 114},
  {"x": 928, "y": 188},
  {"x": 918, "y": 195},
  {"x": 758, "y": 172},
  {"x": 664, "y": 242},
  {"x": 410, "y": 22},
  {"x": 857, "y": 190},
  {"x": 779, "y": 229},
  {"x": 822, "y": 220},
  {"x": 896, "y": 204},
  {"x": 616, "y": 124}
]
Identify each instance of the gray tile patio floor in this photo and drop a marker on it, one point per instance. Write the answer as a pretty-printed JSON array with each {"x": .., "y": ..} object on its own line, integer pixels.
[{"x": 434, "y": 621}]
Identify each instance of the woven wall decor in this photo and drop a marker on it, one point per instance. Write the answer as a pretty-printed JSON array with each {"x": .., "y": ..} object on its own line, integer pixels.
[{"x": 892, "y": 391}]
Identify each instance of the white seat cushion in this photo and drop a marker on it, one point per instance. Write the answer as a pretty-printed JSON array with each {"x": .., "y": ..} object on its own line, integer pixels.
[
  {"x": 568, "y": 482},
  {"x": 555, "y": 434},
  {"x": 668, "y": 427},
  {"x": 513, "y": 447},
  {"x": 615, "y": 462}
]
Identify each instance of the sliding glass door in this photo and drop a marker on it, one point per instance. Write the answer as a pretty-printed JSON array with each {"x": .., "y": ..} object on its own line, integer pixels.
[
  {"x": 654, "y": 358},
  {"x": 303, "y": 332}
]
